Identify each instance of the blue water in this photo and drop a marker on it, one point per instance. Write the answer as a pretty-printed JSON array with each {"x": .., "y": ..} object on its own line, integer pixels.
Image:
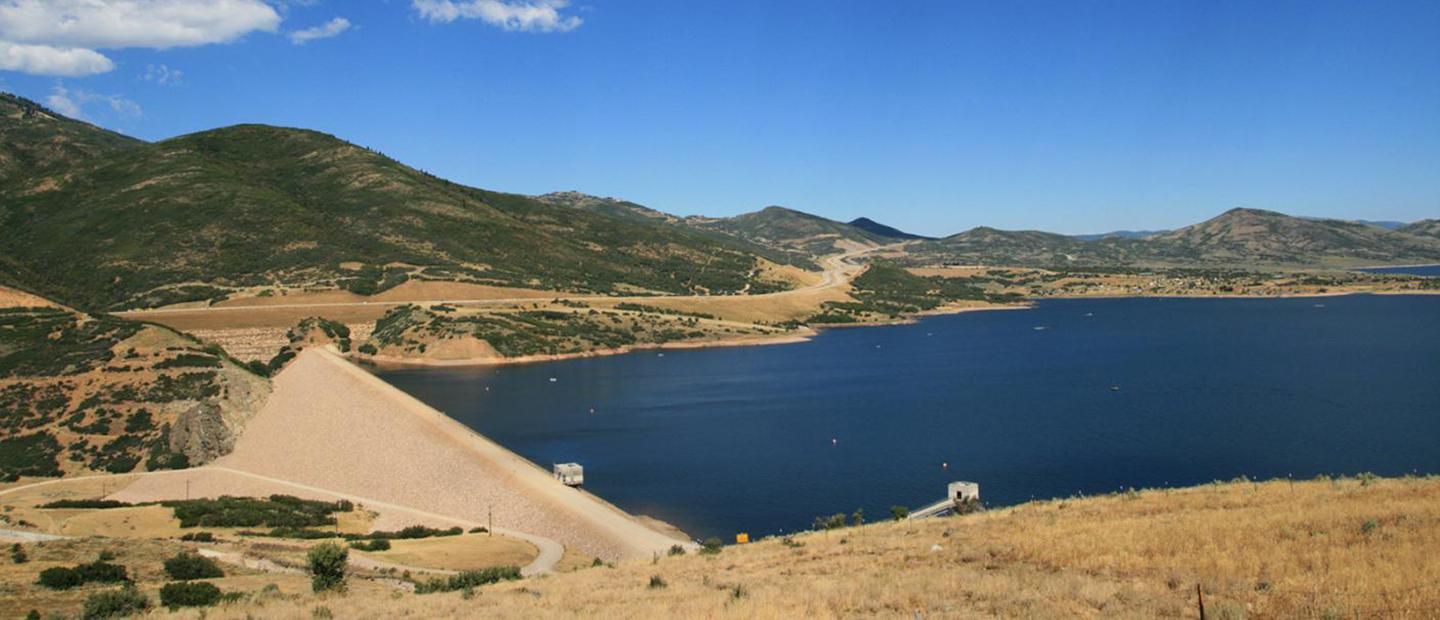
[
  {"x": 718, "y": 441},
  {"x": 1417, "y": 270}
]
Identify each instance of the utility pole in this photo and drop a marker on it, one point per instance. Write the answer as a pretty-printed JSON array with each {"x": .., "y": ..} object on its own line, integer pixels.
[
  {"x": 187, "y": 489},
  {"x": 490, "y": 520}
]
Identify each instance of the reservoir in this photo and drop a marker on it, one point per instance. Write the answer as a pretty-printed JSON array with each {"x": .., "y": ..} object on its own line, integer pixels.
[{"x": 1070, "y": 397}]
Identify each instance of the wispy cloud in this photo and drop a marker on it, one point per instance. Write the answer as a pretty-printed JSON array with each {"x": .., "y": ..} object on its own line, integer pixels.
[
  {"x": 515, "y": 15},
  {"x": 163, "y": 75},
  {"x": 72, "y": 103},
  {"x": 324, "y": 31},
  {"x": 61, "y": 37}
]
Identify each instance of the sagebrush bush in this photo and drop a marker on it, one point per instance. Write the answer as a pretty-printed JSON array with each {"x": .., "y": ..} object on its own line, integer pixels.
[
  {"x": 187, "y": 566},
  {"x": 189, "y": 594},
  {"x": 59, "y": 578},
  {"x": 119, "y": 603}
]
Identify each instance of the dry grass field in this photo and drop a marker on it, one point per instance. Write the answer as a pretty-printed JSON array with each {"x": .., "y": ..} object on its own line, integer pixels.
[{"x": 1350, "y": 548}]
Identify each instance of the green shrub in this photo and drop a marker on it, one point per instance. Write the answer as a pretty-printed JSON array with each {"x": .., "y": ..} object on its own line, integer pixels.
[
  {"x": 711, "y": 546},
  {"x": 189, "y": 594},
  {"x": 327, "y": 563},
  {"x": 275, "y": 511},
  {"x": 90, "y": 504},
  {"x": 101, "y": 571},
  {"x": 17, "y": 554},
  {"x": 60, "y": 578},
  {"x": 373, "y": 545},
  {"x": 468, "y": 579},
  {"x": 198, "y": 537},
  {"x": 899, "y": 513},
  {"x": 187, "y": 566},
  {"x": 676, "y": 550},
  {"x": 369, "y": 349},
  {"x": 657, "y": 582},
  {"x": 832, "y": 522},
  {"x": 115, "y": 603}
]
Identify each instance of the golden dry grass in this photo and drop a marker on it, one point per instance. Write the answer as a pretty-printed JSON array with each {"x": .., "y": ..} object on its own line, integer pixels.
[
  {"x": 1347, "y": 548},
  {"x": 466, "y": 552}
]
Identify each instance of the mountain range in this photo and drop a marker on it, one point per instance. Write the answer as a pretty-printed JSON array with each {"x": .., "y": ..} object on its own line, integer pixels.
[{"x": 103, "y": 221}]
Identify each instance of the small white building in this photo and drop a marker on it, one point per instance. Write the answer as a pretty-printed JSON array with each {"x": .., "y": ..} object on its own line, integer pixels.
[
  {"x": 570, "y": 474},
  {"x": 964, "y": 491}
]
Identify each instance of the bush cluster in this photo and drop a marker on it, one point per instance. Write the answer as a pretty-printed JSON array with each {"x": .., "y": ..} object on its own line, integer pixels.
[
  {"x": 189, "y": 594},
  {"x": 468, "y": 579},
  {"x": 187, "y": 566},
  {"x": 99, "y": 571}
]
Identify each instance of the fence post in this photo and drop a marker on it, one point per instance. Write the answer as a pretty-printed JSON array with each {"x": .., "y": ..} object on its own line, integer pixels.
[{"x": 1200, "y": 596}]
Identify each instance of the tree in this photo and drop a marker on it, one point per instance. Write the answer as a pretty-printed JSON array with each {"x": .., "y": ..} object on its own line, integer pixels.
[
  {"x": 327, "y": 566},
  {"x": 899, "y": 513},
  {"x": 858, "y": 518}
]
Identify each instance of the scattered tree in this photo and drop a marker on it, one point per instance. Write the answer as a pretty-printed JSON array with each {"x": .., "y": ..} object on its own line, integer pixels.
[{"x": 327, "y": 566}]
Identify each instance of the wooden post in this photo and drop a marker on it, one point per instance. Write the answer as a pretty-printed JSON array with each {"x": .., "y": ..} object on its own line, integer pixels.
[
  {"x": 1200, "y": 596},
  {"x": 490, "y": 520}
]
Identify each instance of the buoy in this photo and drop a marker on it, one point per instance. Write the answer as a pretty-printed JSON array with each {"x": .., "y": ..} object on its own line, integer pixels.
[
  {"x": 553, "y": 379},
  {"x": 834, "y": 441},
  {"x": 944, "y": 466},
  {"x": 592, "y": 410}
]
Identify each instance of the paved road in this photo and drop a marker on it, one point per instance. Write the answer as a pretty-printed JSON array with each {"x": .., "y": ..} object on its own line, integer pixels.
[
  {"x": 550, "y": 551},
  {"x": 838, "y": 268}
]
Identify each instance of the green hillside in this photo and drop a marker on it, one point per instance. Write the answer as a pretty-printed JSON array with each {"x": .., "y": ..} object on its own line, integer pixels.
[
  {"x": 792, "y": 230},
  {"x": 35, "y": 142},
  {"x": 201, "y": 216},
  {"x": 1423, "y": 228}
]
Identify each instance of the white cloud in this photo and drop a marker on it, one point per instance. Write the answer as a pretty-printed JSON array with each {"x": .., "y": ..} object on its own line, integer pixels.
[
  {"x": 60, "y": 101},
  {"x": 521, "y": 15},
  {"x": 47, "y": 60},
  {"x": 72, "y": 103},
  {"x": 163, "y": 75},
  {"x": 60, "y": 37},
  {"x": 324, "y": 31}
]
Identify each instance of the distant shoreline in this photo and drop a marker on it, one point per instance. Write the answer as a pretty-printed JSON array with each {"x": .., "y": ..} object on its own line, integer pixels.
[{"x": 385, "y": 363}]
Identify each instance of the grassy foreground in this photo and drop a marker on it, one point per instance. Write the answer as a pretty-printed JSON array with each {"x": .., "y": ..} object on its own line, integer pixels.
[{"x": 1355, "y": 547}]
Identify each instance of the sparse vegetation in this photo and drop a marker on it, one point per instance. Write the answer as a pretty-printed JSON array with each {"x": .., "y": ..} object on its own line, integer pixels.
[
  {"x": 126, "y": 601},
  {"x": 468, "y": 579}
]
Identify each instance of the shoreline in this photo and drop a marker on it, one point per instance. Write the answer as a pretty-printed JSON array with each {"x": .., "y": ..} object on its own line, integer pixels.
[{"x": 384, "y": 363}]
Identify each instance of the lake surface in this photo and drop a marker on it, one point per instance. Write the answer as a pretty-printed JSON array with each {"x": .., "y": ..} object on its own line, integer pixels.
[
  {"x": 1415, "y": 270},
  {"x": 764, "y": 439}
]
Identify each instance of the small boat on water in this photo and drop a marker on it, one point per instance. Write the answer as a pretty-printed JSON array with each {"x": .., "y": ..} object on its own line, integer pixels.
[{"x": 1114, "y": 388}]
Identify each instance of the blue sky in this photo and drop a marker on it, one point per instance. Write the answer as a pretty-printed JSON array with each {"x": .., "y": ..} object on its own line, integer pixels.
[{"x": 931, "y": 116}]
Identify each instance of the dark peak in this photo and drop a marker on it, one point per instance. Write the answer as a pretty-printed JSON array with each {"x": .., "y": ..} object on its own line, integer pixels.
[{"x": 876, "y": 228}]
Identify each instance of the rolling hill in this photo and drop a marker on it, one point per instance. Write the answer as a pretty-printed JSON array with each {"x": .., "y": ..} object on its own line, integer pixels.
[
  {"x": 1238, "y": 237},
  {"x": 791, "y": 230},
  {"x": 876, "y": 228},
  {"x": 109, "y": 223},
  {"x": 1423, "y": 228}
]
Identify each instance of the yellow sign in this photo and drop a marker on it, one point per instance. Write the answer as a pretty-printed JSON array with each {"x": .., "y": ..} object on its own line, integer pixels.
[{"x": 742, "y": 538}]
